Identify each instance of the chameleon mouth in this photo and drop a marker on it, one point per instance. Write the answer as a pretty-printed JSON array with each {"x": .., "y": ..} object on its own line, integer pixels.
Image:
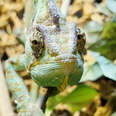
[
  {"x": 52, "y": 74},
  {"x": 65, "y": 58}
]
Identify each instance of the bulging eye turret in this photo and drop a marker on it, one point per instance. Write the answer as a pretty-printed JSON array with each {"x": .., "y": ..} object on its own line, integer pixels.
[
  {"x": 34, "y": 42},
  {"x": 37, "y": 44},
  {"x": 81, "y": 41}
]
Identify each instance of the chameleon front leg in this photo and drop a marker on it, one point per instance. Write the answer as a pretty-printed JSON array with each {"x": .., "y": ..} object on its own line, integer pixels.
[{"x": 16, "y": 85}]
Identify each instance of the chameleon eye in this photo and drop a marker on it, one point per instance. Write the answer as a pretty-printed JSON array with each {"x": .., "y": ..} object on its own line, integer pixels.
[
  {"x": 34, "y": 42},
  {"x": 79, "y": 37},
  {"x": 37, "y": 47},
  {"x": 81, "y": 40},
  {"x": 37, "y": 44}
]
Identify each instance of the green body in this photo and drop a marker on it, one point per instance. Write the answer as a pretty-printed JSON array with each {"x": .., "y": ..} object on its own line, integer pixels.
[{"x": 53, "y": 56}]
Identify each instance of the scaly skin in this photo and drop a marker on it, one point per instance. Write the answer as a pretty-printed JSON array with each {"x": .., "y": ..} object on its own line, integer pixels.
[{"x": 53, "y": 55}]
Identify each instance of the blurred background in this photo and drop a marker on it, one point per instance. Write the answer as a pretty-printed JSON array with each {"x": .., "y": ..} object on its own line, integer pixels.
[{"x": 97, "y": 18}]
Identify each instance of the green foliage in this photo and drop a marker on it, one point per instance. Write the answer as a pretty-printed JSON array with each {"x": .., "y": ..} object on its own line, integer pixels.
[
  {"x": 76, "y": 99},
  {"x": 107, "y": 67},
  {"x": 109, "y": 31},
  {"x": 114, "y": 114},
  {"x": 103, "y": 9},
  {"x": 111, "y": 4},
  {"x": 101, "y": 67},
  {"x": 107, "y": 45},
  {"x": 92, "y": 72},
  {"x": 93, "y": 30},
  {"x": 35, "y": 2}
]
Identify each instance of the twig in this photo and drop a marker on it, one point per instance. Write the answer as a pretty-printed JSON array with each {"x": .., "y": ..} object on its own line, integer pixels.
[
  {"x": 44, "y": 94},
  {"x": 5, "y": 105},
  {"x": 28, "y": 12},
  {"x": 64, "y": 7},
  {"x": 42, "y": 98}
]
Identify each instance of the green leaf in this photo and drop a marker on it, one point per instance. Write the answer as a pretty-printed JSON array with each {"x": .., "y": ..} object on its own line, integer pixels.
[
  {"x": 107, "y": 45},
  {"x": 93, "y": 30},
  {"x": 80, "y": 95},
  {"x": 35, "y": 2},
  {"x": 51, "y": 104},
  {"x": 91, "y": 72},
  {"x": 107, "y": 67},
  {"x": 93, "y": 38},
  {"x": 114, "y": 114},
  {"x": 77, "y": 99},
  {"x": 103, "y": 9},
  {"x": 106, "y": 48},
  {"x": 109, "y": 31},
  {"x": 111, "y": 4},
  {"x": 93, "y": 26},
  {"x": 76, "y": 107}
]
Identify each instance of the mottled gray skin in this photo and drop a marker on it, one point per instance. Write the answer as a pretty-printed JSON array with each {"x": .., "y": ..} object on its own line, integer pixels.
[{"x": 52, "y": 54}]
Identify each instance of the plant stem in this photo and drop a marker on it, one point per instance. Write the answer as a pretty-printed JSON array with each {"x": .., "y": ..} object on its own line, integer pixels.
[
  {"x": 5, "y": 105},
  {"x": 45, "y": 93},
  {"x": 64, "y": 7}
]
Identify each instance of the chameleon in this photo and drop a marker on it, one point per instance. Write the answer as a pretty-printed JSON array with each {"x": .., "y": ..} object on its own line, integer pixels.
[{"x": 53, "y": 55}]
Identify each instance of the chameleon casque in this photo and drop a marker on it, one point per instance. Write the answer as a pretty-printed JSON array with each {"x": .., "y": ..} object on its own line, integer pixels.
[{"x": 53, "y": 55}]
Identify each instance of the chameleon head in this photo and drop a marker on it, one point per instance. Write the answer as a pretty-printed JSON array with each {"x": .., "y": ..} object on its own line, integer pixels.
[
  {"x": 58, "y": 47},
  {"x": 60, "y": 56}
]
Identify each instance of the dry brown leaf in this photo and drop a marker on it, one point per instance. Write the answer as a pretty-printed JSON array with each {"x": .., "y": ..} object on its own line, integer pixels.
[
  {"x": 4, "y": 20},
  {"x": 6, "y": 39},
  {"x": 88, "y": 9},
  {"x": 97, "y": 18},
  {"x": 15, "y": 50}
]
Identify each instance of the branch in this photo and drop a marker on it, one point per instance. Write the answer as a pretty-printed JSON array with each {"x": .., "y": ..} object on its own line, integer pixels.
[
  {"x": 64, "y": 7},
  {"x": 5, "y": 105}
]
